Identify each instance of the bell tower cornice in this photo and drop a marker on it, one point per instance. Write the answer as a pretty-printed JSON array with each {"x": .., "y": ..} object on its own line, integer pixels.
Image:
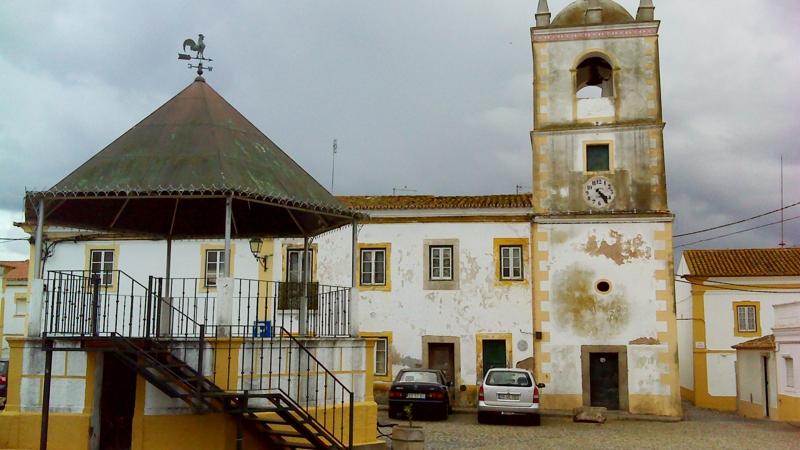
[{"x": 605, "y": 31}]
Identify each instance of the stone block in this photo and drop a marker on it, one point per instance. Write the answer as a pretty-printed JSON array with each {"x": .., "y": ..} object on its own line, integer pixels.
[
  {"x": 406, "y": 438},
  {"x": 591, "y": 414}
]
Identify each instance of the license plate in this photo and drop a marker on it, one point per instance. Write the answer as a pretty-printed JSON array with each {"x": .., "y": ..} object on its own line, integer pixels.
[
  {"x": 412, "y": 395},
  {"x": 508, "y": 396}
]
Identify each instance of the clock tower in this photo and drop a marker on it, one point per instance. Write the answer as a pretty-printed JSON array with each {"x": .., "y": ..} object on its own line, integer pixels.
[{"x": 602, "y": 231}]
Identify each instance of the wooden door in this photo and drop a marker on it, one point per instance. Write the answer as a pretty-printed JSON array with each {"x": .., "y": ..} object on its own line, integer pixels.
[
  {"x": 604, "y": 380},
  {"x": 494, "y": 355},
  {"x": 442, "y": 356},
  {"x": 117, "y": 401}
]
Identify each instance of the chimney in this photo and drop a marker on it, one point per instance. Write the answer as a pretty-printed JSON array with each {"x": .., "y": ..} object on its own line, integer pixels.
[
  {"x": 594, "y": 13},
  {"x": 645, "y": 12},
  {"x": 542, "y": 14}
]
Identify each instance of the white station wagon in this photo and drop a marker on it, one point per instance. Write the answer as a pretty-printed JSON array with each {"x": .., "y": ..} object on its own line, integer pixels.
[{"x": 509, "y": 392}]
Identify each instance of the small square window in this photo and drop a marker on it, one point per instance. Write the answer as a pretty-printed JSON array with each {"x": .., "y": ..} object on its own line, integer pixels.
[
  {"x": 382, "y": 356},
  {"x": 441, "y": 263},
  {"x": 598, "y": 158},
  {"x": 20, "y": 306},
  {"x": 511, "y": 262}
]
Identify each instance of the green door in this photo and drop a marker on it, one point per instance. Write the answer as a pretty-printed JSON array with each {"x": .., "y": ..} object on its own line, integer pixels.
[{"x": 494, "y": 354}]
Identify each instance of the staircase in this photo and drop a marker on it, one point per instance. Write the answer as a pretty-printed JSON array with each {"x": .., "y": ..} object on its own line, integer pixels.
[{"x": 280, "y": 392}]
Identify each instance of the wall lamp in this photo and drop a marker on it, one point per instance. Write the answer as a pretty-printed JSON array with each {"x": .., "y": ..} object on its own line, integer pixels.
[{"x": 255, "y": 249}]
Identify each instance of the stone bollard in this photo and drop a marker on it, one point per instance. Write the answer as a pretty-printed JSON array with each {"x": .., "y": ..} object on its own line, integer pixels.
[
  {"x": 591, "y": 414},
  {"x": 408, "y": 438}
]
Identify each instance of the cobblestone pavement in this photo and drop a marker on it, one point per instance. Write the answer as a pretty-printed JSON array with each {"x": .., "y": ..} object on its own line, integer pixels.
[{"x": 701, "y": 429}]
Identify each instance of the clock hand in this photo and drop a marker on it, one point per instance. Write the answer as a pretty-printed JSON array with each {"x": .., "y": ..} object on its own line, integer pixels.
[{"x": 603, "y": 196}]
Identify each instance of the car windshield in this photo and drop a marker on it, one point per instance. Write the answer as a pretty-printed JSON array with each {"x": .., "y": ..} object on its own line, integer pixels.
[
  {"x": 508, "y": 378},
  {"x": 418, "y": 377}
]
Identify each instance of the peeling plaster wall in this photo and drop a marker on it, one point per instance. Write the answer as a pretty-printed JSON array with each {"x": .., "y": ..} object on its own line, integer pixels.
[
  {"x": 624, "y": 255},
  {"x": 410, "y": 312},
  {"x": 634, "y": 57}
]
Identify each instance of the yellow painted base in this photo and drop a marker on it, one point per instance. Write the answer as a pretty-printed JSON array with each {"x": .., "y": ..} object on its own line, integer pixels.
[
  {"x": 687, "y": 394},
  {"x": 655, "y": 405},
  {"x": 561, "y": 401},
  {"x": 65, "y": 431},
  {"x": 720, "y": 403},
  {"x": 788, "y": 408},
  {"x": 751, "y": 410}
]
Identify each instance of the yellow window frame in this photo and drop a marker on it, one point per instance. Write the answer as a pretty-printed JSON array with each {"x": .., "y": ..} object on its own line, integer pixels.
[{"x": 736, "y": 331}]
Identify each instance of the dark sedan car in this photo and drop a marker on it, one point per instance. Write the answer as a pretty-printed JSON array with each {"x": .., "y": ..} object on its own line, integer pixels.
[{"x": 427, "y": 390}]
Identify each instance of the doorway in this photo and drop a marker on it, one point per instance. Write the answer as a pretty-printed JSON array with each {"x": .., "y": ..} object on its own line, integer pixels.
[
  {"x": 765, "y": 364},
  {"x": 442, "y": 356},
  {"x": 117, "y": 402},
  {"x": 494, "y": 354},
  {"x": 604, "y": 380},
  {"x": 604, "y": 373}
]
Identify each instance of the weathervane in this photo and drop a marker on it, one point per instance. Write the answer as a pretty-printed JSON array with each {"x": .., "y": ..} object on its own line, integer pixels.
[{"x": 198, "y": 47}]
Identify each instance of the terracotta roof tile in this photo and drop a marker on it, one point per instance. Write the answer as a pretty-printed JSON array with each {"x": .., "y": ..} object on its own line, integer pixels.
[
  {"x": 18, "y": 272},
  {"x": 746, "y": 262},
  {"x": 437, "y": 202},
  {"x": 763, "y": 343}
]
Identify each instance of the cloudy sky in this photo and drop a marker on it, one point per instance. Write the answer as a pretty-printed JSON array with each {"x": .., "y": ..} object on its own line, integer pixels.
[{"x": 433, "y": 95}]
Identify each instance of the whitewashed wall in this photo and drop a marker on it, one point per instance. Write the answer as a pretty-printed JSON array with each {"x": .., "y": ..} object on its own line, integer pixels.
[
  {"x": 13, "y": 323},
  {"x": 719, "y": 323},
  {"x": 751, "y": 377},
  {"x": 787, "y": 337},
  {"x": 683, "y": 299},
  {"x": 581, "y": 316},
  {"x": 410, "y": 312}
]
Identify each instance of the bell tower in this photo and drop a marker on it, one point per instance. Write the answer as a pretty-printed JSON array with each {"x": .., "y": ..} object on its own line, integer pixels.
[{"x": 602, "y": 230}]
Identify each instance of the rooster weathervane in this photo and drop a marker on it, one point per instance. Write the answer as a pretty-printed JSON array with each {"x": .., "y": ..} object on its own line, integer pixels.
[{"x": 197, "y": 47}]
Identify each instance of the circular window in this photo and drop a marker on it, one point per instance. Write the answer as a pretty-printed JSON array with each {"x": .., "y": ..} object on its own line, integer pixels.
[{"x": 603, "y": 286}]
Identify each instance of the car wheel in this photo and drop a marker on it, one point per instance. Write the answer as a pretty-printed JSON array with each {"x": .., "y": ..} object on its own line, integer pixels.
[
  {"x": 536, "y": 420},
  {"x": 444, "y": 412},
  {"x": 483, "y": 417}
]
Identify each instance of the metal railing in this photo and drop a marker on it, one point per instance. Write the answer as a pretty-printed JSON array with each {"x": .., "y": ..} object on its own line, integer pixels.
[
  {"x": 255, "y": 354},
  {"x": 256, "y": 302}
]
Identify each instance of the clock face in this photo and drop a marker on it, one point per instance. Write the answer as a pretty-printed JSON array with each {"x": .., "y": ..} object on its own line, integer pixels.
[{"x": 598, "y": 192}]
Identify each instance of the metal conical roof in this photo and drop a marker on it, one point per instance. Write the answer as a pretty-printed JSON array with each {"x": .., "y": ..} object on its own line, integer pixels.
[{"x": 195, "y": 146}]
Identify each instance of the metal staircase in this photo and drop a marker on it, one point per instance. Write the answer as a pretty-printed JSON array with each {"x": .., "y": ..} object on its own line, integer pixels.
[{"x": 280, "y": 392}]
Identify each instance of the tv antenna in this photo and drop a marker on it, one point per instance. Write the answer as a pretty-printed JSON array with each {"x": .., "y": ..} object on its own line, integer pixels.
[
  {"x": 395, "y": 190},
  {"x": 782, "y": 244},
  {"x": 197, "y": 47},
  {"x": 519, "y": 188}
]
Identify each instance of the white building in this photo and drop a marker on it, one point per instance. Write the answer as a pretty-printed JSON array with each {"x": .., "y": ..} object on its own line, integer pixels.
[
  {"x": 725, "y": 298},
  {"x": 13, "y": 301},
  {"x": 444, "y": 282},
  {"x": 787, "y": 352}
]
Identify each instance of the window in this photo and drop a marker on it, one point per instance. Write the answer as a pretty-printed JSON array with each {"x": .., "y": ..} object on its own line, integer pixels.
[
  {"x": 789, "y": 362},
  {"x": 441, "y": 263},
  {"x": 290, "y": 295},
  {"x": 598, "y": 158},
  {"x": 382, "y": 356},
  {"x": 102, "y": 266},
  {"x": 294, "y": 265},
  {"x": 746, "y": 319},
  {"x": 511, "y": 262},
  {"x": 20, "y": 305},
  {"x": 373, "y": 267},
  {"x": 215, "y": 266}
]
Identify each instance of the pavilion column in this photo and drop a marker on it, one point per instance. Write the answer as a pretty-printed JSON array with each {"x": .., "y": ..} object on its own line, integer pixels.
[
  {"x": 224, "y": 310},
  {"x": 303, "y": 326},
  {"x": 165, "y": 318},
  {"x": 354, "y": 298},
  {"x": 37, "y": 284}
]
